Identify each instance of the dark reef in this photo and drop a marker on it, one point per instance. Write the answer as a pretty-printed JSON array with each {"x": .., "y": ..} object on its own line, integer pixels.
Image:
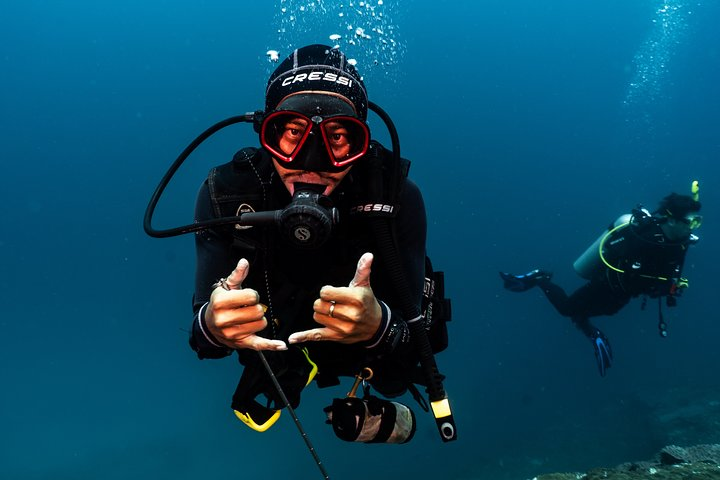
[{"x": 671, "y": 463}]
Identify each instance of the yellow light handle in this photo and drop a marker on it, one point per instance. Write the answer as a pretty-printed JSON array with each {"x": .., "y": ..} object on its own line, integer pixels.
[
  {"x": 444, "y": 419},
  {"x": 441, "y": 408}
]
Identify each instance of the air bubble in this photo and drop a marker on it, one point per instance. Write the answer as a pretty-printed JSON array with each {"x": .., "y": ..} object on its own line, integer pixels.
[{"x": 370, "y": 34}]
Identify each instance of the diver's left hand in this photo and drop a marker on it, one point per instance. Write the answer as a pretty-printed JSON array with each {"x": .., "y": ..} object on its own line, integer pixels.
[{"x": 356, "y": 313}]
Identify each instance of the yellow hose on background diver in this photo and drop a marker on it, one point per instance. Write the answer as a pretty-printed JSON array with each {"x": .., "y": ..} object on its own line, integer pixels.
[
  {"x": 602, "y": 245},
  {"x": 612, "y": 267}
]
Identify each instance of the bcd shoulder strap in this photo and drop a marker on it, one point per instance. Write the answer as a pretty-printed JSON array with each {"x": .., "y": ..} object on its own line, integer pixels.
[{"x": 381, "y": 180}]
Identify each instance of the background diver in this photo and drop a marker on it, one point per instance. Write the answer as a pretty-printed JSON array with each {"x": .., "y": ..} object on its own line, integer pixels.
[{"x": 640, "y": 254}]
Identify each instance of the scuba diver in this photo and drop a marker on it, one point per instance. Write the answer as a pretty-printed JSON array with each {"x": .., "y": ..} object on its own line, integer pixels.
[
  {"x": 640, "y": 254},
  {"x": 328, "y": 277}
]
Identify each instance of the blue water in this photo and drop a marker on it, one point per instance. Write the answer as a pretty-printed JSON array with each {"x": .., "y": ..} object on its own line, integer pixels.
[{"x": 531, "y": 126}]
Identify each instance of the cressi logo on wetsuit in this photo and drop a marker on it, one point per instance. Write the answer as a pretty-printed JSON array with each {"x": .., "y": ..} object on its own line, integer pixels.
[{"x": 373, "y": 207}]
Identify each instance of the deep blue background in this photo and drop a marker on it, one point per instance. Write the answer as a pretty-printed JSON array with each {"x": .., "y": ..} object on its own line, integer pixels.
[{"x": 524, "y": 139}]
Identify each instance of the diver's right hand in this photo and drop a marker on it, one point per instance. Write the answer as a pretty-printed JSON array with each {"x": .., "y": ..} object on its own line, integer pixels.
[
  {"x": 603, "y": 351},
  {"x": 235, "y": 315}
]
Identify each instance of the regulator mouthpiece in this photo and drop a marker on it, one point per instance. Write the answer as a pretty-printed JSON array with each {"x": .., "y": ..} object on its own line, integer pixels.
[{"x": 308, "y": 220}]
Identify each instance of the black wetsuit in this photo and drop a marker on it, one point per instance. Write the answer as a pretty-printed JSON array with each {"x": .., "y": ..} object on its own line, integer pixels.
[
  {"x": 288, "y": 278},
  {"x": 593, "y": 299}
]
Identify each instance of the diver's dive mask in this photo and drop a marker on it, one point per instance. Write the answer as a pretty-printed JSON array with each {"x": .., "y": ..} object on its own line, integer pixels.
[
  {"x": 324, "y": 144},
  {"x": 679, "y": 229},
  {"x": 693, "y": 220},
  {"x": 315, "y": 132}
]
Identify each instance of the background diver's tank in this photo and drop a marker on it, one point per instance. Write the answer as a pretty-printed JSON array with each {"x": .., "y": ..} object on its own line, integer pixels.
[{"x": 589, "y": 263}]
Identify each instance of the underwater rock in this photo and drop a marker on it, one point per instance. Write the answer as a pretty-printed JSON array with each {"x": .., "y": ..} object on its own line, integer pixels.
[
  {"x": 699, "y": 462},
  {"x": 672, "y": 455}
]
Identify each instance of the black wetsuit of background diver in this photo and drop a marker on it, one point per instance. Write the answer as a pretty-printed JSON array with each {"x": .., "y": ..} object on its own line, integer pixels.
[{"x": 593, "y": 299}]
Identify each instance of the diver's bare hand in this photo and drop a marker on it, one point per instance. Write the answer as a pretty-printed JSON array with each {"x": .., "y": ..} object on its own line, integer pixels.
[
  {"x": 234, "y": 316},
  {"x": 348, "y": 314}
]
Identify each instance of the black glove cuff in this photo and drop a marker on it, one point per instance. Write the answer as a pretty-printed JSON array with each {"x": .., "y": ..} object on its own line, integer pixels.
[{"x": 393, "y": 334}]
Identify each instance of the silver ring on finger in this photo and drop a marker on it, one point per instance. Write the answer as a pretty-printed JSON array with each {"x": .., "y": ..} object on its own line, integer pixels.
[
  {"x": 332, "y": 309},
  {"x": 222, "y": 283}
]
